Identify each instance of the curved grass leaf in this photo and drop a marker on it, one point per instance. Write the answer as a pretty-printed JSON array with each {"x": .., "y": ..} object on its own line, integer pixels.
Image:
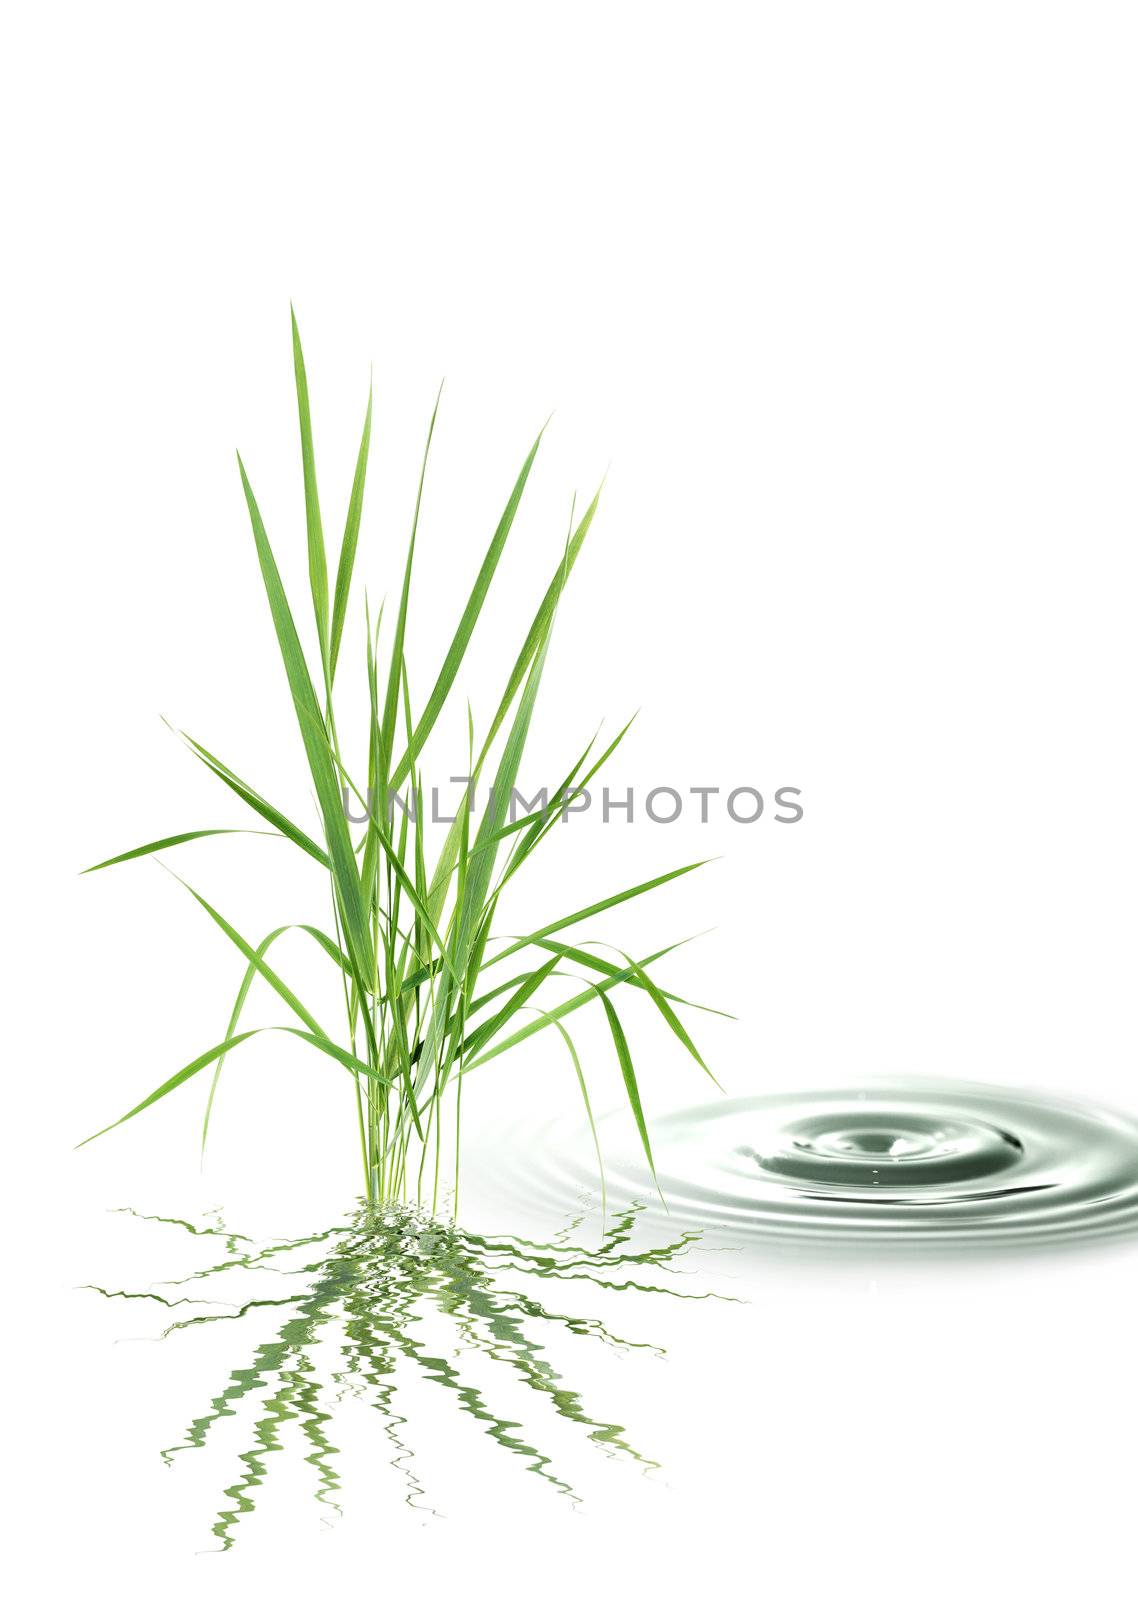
[
  {"x": 591, "y": 911},
  {"x": 567, "y": 1006},
  {"x": 639, "y": 980},
  {"x": 326, "y": 944},
  {"x": 658, "y": 1000},
  {"x": 344, "y": 1057},
  {"x": 255, "y": 960},
  {"x": 168, "y": 844}
]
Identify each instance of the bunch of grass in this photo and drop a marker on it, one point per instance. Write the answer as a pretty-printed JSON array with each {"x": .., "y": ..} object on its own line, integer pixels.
[{"x": 426, "y": 997}]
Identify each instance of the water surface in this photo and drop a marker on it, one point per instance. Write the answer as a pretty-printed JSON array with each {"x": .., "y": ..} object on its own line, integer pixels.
[
  {"x": 358, "y": 1314},
  {"x": 362, "y": 1314},
  {"x": 886, "y": 1164}
]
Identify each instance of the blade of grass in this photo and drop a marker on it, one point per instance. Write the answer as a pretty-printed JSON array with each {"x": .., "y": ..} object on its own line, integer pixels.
[
  {"x": 481, "y": 866},
  {"x": 567, "y": 1006},
  {"x": 483, "y": 1034},
  {"x": 656, "y": 995},
  {"x": 595, "y": 908},
  {"x": 541, "y": 622},
  {"x": 316, "y": 748},
  {"x": 370, "y": 865},
  {"x": 256, "y": 802},
  {"x": 387, "y": 727},
  {"x": 391, "y": 856},
  {"x": 344, "y": 1057},
  {"x": 326, "y": 944},
  {"x": 271, "y": 978},
  {"x": 558, "y": 808},
  {"x": 472, "y": 918},
  {"x": 351, "y": 540},
  {"x": 168, "y": 844},
  {"x": 628, "y": 1073},
  {"x": 586, "y": 958},
  {"x": 467, "y": 622},
  {"x": 317, "y": 558},
  {"x": 542, "y": 619}
]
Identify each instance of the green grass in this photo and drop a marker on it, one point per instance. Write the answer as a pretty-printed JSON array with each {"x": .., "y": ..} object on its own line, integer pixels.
[{"x": 414, "y": 946}]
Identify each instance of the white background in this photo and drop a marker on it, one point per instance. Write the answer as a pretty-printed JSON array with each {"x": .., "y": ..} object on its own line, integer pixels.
[{"x": 843, "y": 299}]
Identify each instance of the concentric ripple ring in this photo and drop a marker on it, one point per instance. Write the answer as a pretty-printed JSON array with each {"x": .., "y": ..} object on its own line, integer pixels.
[{"x": 888, "y": 1162}]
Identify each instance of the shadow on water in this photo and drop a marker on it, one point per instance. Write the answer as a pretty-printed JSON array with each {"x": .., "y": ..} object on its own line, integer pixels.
[{"x": 357, "y": 1328}]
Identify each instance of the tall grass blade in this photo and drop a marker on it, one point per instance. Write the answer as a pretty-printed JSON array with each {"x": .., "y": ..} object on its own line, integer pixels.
[
  {"x": 316, "y": 748},
  {"x": 391, "y": 856},
  {"x": 347, "y": 560},
  {"x": 481, "y": 868},
  {"x": 543, "y": 618},
  {"x": 395, "y": 674},
  {"x": 540, "y": 625},
  {"x": 467, "y": 622},
  {"x": 317, "y": 559}
]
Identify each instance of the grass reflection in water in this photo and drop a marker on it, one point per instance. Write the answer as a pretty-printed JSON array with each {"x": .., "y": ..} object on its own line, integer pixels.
[{"x": 378, "y": 1301}]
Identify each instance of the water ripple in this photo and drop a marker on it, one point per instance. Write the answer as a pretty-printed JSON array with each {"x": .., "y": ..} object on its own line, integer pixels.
[
  {"x": 364, "y": 1310},
  {"x": 892, "y": 1162}
]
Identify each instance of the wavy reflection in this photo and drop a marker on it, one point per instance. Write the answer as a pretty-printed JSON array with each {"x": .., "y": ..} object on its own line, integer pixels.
[{"x": 379, "y": 1301}]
